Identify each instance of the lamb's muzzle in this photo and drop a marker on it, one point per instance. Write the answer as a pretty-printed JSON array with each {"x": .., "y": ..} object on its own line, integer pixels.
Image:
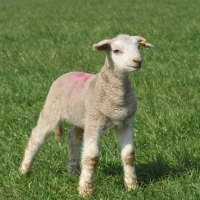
[
  {"x": 139, "y": 63},
  {"x": 93, "y": 104}
]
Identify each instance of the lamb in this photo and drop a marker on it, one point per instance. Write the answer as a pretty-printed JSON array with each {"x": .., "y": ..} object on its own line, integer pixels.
[{"x": 93, "y": 104}]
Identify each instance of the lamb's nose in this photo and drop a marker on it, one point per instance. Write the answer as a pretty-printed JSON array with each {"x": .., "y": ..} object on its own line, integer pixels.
[{"x": 138, "y": 61}]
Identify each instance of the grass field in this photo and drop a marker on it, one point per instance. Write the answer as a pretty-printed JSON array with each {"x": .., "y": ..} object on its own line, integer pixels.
[{"x": 42, "y": 39}]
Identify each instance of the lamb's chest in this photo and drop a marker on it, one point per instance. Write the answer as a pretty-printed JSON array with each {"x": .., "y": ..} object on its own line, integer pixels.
[{"x": 118, "y": 115}]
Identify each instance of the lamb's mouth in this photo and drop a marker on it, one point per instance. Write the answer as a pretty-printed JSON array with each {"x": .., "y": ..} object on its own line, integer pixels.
[{"x": 135, "y": 67}]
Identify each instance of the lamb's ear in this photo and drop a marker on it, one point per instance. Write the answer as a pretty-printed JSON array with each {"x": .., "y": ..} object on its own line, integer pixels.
[
  {"x": 143, "y": 42},
  {"x": 101, "y": 46}
]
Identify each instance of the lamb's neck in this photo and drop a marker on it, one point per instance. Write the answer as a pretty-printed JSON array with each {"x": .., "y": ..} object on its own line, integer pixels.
[
  {"x": 115, "y": 94},
  {"x": 114, "y": 80}
]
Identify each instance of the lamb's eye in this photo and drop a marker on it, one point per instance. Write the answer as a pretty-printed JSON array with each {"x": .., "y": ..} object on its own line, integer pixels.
[{"x": 116, "y": 51}]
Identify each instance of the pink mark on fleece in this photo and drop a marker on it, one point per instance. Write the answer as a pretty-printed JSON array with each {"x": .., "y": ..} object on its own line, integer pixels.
[
  {"x": 75, "y": 82},
  {"x": 82, "y": 76}
]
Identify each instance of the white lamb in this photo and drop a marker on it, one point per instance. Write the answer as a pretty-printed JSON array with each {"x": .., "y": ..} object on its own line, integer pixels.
[{"x": 93, "y": 104}]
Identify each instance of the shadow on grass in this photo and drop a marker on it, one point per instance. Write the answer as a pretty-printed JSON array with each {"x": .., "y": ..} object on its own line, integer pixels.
[{"x": 153, "y": 171}]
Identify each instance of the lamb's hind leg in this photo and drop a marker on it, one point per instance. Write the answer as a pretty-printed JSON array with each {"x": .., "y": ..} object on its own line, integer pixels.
[
  {"x": 128, "y": 156},
  {"x": 74, "y": 144},
  {"x": 46, "y": 124}
]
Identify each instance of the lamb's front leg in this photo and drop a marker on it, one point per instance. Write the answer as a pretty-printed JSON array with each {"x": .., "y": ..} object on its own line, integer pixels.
[
  {"x": 90, "y": 158},
  {"x": 128, "y": 155}
]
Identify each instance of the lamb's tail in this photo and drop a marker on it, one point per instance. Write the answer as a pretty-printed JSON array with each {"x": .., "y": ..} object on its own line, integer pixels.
[{"x": 59, "y": 131}]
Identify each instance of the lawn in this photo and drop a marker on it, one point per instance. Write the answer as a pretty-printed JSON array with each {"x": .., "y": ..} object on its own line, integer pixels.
[{"x": 43, "y": 39}]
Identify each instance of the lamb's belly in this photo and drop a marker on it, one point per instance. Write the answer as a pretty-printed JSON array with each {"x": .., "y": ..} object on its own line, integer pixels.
[
  {"x": 75, "y": 114},
  {"x": 75, "y": 110}
]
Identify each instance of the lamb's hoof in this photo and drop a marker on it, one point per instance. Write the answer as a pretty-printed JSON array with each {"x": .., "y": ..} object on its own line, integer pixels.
[
  {"x": 73, "y": 167},
  {"x": 85, "y": 191},
  {"x": 24, "y": 170},
  {"x": 73, "y": 171},
  {"x": 131, "y": 185}
]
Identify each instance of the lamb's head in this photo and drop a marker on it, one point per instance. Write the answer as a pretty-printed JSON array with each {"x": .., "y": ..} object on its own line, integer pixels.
[{"x": 123, "y": 52}]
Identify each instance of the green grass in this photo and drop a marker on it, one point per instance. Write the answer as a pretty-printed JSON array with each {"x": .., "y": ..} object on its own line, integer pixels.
[{"x": 42, "y": 39}]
